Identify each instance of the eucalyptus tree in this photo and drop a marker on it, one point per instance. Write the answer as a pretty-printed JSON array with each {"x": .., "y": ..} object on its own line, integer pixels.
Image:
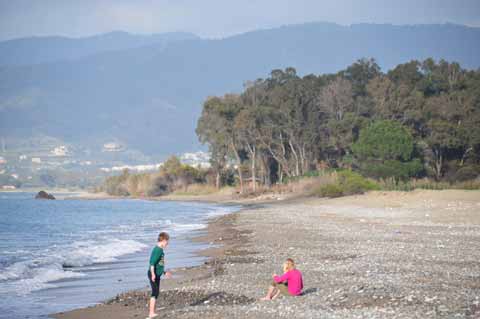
[{"x": 216, "y": 127}]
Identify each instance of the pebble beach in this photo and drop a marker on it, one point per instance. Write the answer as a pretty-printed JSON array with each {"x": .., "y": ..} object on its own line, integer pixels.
[{"x": 378, "y": 255}]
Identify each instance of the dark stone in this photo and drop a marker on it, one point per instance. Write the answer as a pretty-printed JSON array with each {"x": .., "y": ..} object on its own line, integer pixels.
[{"x": 44, "y": 195}]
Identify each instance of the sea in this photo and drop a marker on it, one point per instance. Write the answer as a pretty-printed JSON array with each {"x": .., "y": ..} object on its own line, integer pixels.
[{"x": 58, "y": 255}]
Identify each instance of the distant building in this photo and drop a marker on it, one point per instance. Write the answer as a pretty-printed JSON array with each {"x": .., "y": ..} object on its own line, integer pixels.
[
  {"x": 3, "y": 160},
  {"x": 8, "y": 187},
  {"x": 36, "y": 160},
  {"x": 112, "y": 147},
  {"x": 60, "y": 151},
  {"x": 200, "y": 158},
  {"x": 138, "y": 168}
]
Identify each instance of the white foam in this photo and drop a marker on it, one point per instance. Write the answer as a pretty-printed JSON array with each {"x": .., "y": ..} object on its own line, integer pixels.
[
  {"x": 38, "y": 273},
  {"x": 22, "y": 279},
  {"x": 85, "y": 253},
  {"x": 43, "y": 279},
  {"x": 181, "y": 228},
  {"x": 14, "y": 271},
  {"x": 220, "y": 211}
]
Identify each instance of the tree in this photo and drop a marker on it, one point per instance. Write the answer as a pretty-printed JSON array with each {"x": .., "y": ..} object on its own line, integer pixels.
[
  {"x": 336, "y": 103},
  {"x": 337, "y": 98},
  {"x": 285, "y": 124},
  {"x": 216, "y": 126},
  {"x": 385, "y": 149},
  {"x": 246, "y": 124},
  {"x": 360, "y": 73},
  {"x": 444, "y": 127}
]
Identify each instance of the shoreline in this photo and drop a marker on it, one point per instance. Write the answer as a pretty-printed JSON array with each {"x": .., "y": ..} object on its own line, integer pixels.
[
  {"x": 378, "y": 255},
  {"x": 218, "y": 234}
]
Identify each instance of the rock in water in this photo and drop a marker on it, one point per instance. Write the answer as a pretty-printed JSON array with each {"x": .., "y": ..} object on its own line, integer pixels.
[{"x": 44, "y": 195}]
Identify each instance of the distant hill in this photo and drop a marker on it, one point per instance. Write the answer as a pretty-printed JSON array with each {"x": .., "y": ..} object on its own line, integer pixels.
[
  {"x": 36, "y": 50},
  {"x": 149, "y": 96}
]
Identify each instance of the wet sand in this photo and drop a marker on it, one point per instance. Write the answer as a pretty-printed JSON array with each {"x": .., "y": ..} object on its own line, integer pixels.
[{"x": 379, "y": 255}]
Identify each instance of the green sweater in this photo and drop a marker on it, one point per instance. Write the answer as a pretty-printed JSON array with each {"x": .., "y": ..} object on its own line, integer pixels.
[{"x": 157, "y": 260}]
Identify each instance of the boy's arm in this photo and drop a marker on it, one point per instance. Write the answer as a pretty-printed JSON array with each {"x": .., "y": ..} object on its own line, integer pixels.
[
  {"x": 152, "y": 272},
  {"x": 282, "y": 278},
  {"x": 154, "y": 258}
]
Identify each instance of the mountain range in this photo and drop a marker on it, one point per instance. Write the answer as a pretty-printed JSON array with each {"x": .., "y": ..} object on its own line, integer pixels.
[{"x": 146, "y": 92}]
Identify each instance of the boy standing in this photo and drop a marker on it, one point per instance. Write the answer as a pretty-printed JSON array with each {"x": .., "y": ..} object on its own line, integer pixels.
[{"x": 157, "y": 269}]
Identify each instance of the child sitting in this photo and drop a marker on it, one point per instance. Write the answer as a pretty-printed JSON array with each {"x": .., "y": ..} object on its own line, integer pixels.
[{"x": 288, "y": 284}]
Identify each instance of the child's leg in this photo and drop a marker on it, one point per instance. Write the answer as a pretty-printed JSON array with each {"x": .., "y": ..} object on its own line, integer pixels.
[
  {"x": 155, "y": 285},
  {"x": 275, "y": 294},
  {"x": 270, "y": 293},
  {"x": 151, "y": 312}
]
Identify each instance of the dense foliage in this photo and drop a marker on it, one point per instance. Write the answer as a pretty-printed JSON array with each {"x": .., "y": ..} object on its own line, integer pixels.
[
  {"x": 420, "y": 119},
  {"x": 343, "y": 183},
  {"x": 172, "y": 176},
  {"x": 385, "y": 149}
]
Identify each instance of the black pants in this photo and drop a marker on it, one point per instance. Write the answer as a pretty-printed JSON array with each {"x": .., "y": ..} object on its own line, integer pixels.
[{"x": 154, "y": 284}]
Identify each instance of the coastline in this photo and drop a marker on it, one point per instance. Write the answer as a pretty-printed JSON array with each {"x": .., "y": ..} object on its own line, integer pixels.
[
  {"x": 378, "y": 255},
  {"x": 222, "y": 238}
]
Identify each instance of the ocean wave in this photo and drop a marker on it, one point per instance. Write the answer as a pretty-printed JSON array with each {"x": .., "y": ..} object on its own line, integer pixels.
[
  {"x": 38, "y": 278},
  {"x": 181, "y": 228},
  {"x": 39, "y": 272},
  {"x": 220, "y": 211},
  {"x": 85, "y": 253},
  {"x": 168, "y": 225}
]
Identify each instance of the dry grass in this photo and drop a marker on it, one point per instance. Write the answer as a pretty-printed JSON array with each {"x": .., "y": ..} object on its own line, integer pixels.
[
  {"x": 196, "y": 189},
  {"x": 303, "y": 185},
  {"x": 427, "y": 183},
  {"x": 203, "y": 189}
]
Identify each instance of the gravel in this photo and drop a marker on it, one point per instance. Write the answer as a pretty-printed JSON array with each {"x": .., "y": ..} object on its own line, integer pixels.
[{"x": 359, "y": 260}]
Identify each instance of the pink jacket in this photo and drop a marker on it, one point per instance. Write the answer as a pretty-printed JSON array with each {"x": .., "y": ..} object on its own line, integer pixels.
[{"x": 294, "y": 281}]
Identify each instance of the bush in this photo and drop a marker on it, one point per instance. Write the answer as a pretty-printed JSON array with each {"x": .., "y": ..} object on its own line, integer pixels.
[
  {"x": 172, "y": 176},
  {"x": 345, "y": 183},
  {"x": 393, "y": 168},
  {"x": 161, "y": 185},
  {"x": 466, "y": 173},
  {"x": 330, "y": 190},
  {"x": 354, "y": 183},
  {"x": 470, "y": 185}
]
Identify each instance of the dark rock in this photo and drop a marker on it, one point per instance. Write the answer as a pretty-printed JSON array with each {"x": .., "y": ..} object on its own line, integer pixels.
[{"x": 44, "y": 195}]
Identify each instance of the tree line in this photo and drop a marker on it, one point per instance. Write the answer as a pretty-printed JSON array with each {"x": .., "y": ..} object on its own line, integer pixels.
[{"x": 420, "y": 119}]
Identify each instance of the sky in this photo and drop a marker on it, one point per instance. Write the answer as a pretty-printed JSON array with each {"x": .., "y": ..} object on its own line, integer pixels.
[{"x": 216, "y": 18}]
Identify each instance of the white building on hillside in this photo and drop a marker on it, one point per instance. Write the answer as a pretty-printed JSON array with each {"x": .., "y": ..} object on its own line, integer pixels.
[
  {"x": 60, "y": 151},
  {"x": 199, "y": 158},
  {"x": 112, "y": 147},
  {"x": 137, "y": 168}
]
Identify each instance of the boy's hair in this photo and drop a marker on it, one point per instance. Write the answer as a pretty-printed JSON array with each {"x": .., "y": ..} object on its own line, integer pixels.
[
  {"x": 290, "y": 263},
  {"x": 163, "y": 236}
]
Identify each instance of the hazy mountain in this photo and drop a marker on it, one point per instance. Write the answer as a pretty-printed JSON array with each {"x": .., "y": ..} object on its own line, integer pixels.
[
  {"x": 149, "y": 97},
  {"x": 37, "y": 50}
]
